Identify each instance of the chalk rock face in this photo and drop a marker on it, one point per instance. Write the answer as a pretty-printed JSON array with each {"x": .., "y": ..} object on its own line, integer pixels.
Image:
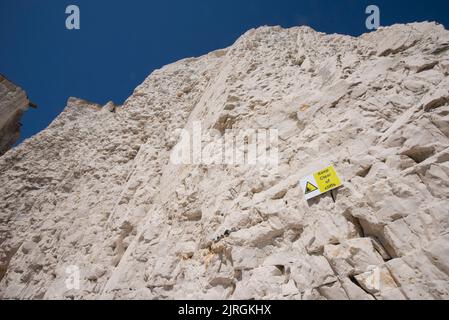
[
  {"x": 13, "y": 102},
  {"x": 97, "y": 207}
]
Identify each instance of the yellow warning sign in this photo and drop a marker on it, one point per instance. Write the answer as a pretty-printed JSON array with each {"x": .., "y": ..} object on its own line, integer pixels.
[
  {"x": 310, "y": 188},
  {"x": 319, "y": 182},
  {"x": 327, "y": 179}
]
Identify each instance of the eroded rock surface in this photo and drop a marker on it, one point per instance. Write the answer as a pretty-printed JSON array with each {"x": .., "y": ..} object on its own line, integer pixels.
[
  {"x": 96, "y": 189},
  {"x": 13, "y": 102}
]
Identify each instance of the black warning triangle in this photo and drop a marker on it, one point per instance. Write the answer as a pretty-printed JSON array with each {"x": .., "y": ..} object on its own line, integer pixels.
[{"x": 310, "y": 188}]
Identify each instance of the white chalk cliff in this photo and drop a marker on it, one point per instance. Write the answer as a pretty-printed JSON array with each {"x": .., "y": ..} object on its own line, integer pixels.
[{"x": 97, "y": 189}]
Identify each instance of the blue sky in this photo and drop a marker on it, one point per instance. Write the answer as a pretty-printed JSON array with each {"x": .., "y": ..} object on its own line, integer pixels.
[{"x": 121, "y": 42}]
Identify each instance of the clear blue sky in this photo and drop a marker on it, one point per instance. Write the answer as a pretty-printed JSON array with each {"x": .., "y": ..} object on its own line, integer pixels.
[{"x": 121, "y": 42}]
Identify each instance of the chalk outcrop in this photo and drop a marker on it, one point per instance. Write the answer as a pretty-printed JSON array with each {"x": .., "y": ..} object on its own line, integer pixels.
[
  {"x": 96, "y": 195},
  {"x": 13, "y": 102}
]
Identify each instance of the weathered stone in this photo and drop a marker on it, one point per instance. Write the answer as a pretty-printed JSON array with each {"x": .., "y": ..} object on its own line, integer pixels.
[
  {"x": 13, "y": 103},
  {"x": 353, "y": 256},
  {"x": 98, "y": 190}
]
